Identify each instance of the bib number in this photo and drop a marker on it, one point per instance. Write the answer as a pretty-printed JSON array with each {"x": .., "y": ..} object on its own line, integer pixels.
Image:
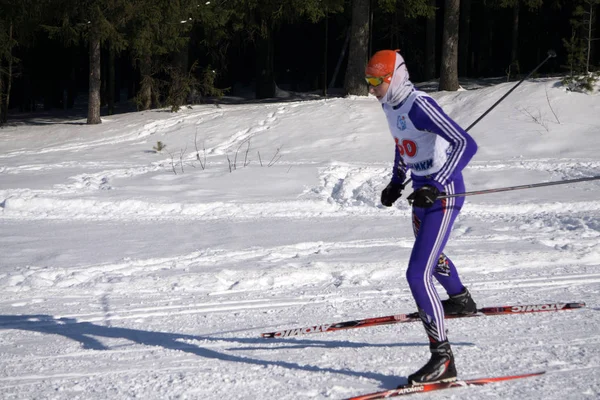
[{"x": 407, "y": 147}]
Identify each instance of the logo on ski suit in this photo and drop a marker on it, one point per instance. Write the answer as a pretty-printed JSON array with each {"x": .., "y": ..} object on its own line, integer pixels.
[{"x": 402, "y": 122}]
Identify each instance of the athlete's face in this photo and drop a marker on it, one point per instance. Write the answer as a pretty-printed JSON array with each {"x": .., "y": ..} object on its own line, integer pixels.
[{"x": 380, "y": 90}]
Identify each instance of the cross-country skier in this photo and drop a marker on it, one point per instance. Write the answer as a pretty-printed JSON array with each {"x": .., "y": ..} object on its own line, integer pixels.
[{"x": 435, "y": 149}]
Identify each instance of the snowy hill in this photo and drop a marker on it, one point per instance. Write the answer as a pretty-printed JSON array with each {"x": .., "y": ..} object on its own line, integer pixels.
[{"x": 129, "y": 273}]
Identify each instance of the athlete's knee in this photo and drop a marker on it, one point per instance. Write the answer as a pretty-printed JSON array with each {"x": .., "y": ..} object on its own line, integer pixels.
[{"x": 415, "y": 276}]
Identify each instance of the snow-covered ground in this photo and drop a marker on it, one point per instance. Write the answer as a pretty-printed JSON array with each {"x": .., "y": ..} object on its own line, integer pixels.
[{"x": 126, "y": 273}]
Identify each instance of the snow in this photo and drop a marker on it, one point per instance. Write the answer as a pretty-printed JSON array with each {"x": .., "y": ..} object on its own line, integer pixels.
[{"x": 127, "y": 273}]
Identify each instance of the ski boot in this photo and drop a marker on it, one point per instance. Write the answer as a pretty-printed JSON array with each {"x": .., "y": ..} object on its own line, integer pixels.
[
  {"x": 460, "y": 304},
  {"x": 440, "y": 367}
]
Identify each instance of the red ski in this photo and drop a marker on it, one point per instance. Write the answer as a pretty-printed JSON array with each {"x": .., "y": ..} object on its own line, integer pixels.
[
  {"x": 413, "y": 317},
  {"x": 407, "y": 389}
]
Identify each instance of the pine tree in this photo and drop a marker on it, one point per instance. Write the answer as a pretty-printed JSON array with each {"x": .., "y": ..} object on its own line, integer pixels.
[
  {"x": 18, "y": 21},
  {"x": 95, "y": 22},
  {"x": 400, "y": 22},
  {"x": 260, "y": 20},
  {"x": 516, "y": 5},
  {"x": 7, "y": 42},
  {"x": 579, "y": 47},
  {"x": 587, "y": 16},
  {"x": 392, "y": 20},
  {"x": 159, "y": 31}
]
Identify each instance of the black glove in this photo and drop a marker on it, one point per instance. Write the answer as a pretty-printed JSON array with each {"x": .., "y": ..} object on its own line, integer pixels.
[
  {"x": 391, "y": 193},
  {"x": 424, "y": 197}
]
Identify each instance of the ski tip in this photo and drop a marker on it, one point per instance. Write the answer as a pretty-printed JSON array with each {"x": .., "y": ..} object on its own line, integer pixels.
[
  {"x": 531, "y": 374},
  {"x": 483, "y": 381},
  {"x": 577, "y": 305},
  {"x": 428, "y": 387},
  {"x": 527, "y": 375}
]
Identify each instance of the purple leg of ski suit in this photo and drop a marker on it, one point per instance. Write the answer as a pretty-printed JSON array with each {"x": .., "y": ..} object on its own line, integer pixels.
[{"x": 432, "y": 228}]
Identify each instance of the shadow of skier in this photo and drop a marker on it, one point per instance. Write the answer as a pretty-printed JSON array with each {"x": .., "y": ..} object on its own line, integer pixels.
[{"x": 89, "y": 335}]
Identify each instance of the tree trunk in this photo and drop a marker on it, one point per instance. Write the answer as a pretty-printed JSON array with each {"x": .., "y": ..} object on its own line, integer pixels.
[
  {"x": 483, "y": 54},
  {"x": 95, "y": 78},
  {"x": 340, "y": 59},
  {"x": 595, "y": 48},
  {"x": 2, "y": 112},
  {"x": 490, "y": 37},
  {"x": 449, "y": 70},
  {"x": 145, "y": 93},
  {"x": 103, "y": 77},
  {"x": 590, "y": 38},
  {"x": 10, "y": 71},
  {"x": 358, "y": 54},
  {"x": 430, "y": 38},
  {"x": 5, "y": 98},
  {"x": 265, "y": 74},
  {"x": 182, "y": 59},
  {"x": 325, "y": 51},
  {"x": 464, "y": 52},
  {"x": 110, "y": 85},
  {"x": 370, "y": 28},
  {"x": 514, "y": 50}
]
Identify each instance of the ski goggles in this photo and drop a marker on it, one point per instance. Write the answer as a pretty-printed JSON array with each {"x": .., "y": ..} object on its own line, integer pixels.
[{"x": 376, "y": 80}]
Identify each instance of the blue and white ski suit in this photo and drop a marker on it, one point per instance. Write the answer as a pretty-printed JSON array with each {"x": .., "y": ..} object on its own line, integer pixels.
[{"x": 435, "y": 149}]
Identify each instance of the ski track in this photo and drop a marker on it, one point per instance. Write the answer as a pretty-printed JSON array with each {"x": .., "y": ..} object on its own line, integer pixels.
[
  {"x": 136, "y": 133},
  {"x": 576, "y": 245},
  {"x": 241, "y": 137},
  {"x": 344, "y": 190}
]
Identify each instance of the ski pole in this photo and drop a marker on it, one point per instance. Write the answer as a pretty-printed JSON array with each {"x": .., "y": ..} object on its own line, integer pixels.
[
  {"x": 506, "y": 189},
  {"x": 551, "y": 54}
]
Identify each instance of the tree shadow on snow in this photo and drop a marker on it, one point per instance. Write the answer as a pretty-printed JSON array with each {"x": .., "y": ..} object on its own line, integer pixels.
[{"x": 89, "y": 335}]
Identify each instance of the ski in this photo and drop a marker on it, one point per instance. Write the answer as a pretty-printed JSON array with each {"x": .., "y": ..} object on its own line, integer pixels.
[
  {"x": 414, "y": 317},
  {"x": 407, "y": 389}
]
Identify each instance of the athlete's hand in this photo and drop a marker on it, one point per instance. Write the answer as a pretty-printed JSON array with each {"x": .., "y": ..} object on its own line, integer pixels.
[
  {"x": 391, "y": 193},
  {"x": 424, "y": 197}
]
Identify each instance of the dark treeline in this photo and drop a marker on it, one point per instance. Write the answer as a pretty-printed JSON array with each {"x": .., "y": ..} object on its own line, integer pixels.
[{"x": 56, "y": 54}]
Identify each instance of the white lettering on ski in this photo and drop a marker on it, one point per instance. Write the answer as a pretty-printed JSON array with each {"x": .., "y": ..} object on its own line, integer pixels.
[{"x": 538, "y": 307}]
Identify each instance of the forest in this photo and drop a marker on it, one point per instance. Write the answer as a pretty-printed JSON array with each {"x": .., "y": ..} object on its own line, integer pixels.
[{"x": 112, "y": 55}]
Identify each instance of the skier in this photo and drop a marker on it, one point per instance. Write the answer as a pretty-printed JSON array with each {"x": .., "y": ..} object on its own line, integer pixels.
[{"x": 435, "y": 149}]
